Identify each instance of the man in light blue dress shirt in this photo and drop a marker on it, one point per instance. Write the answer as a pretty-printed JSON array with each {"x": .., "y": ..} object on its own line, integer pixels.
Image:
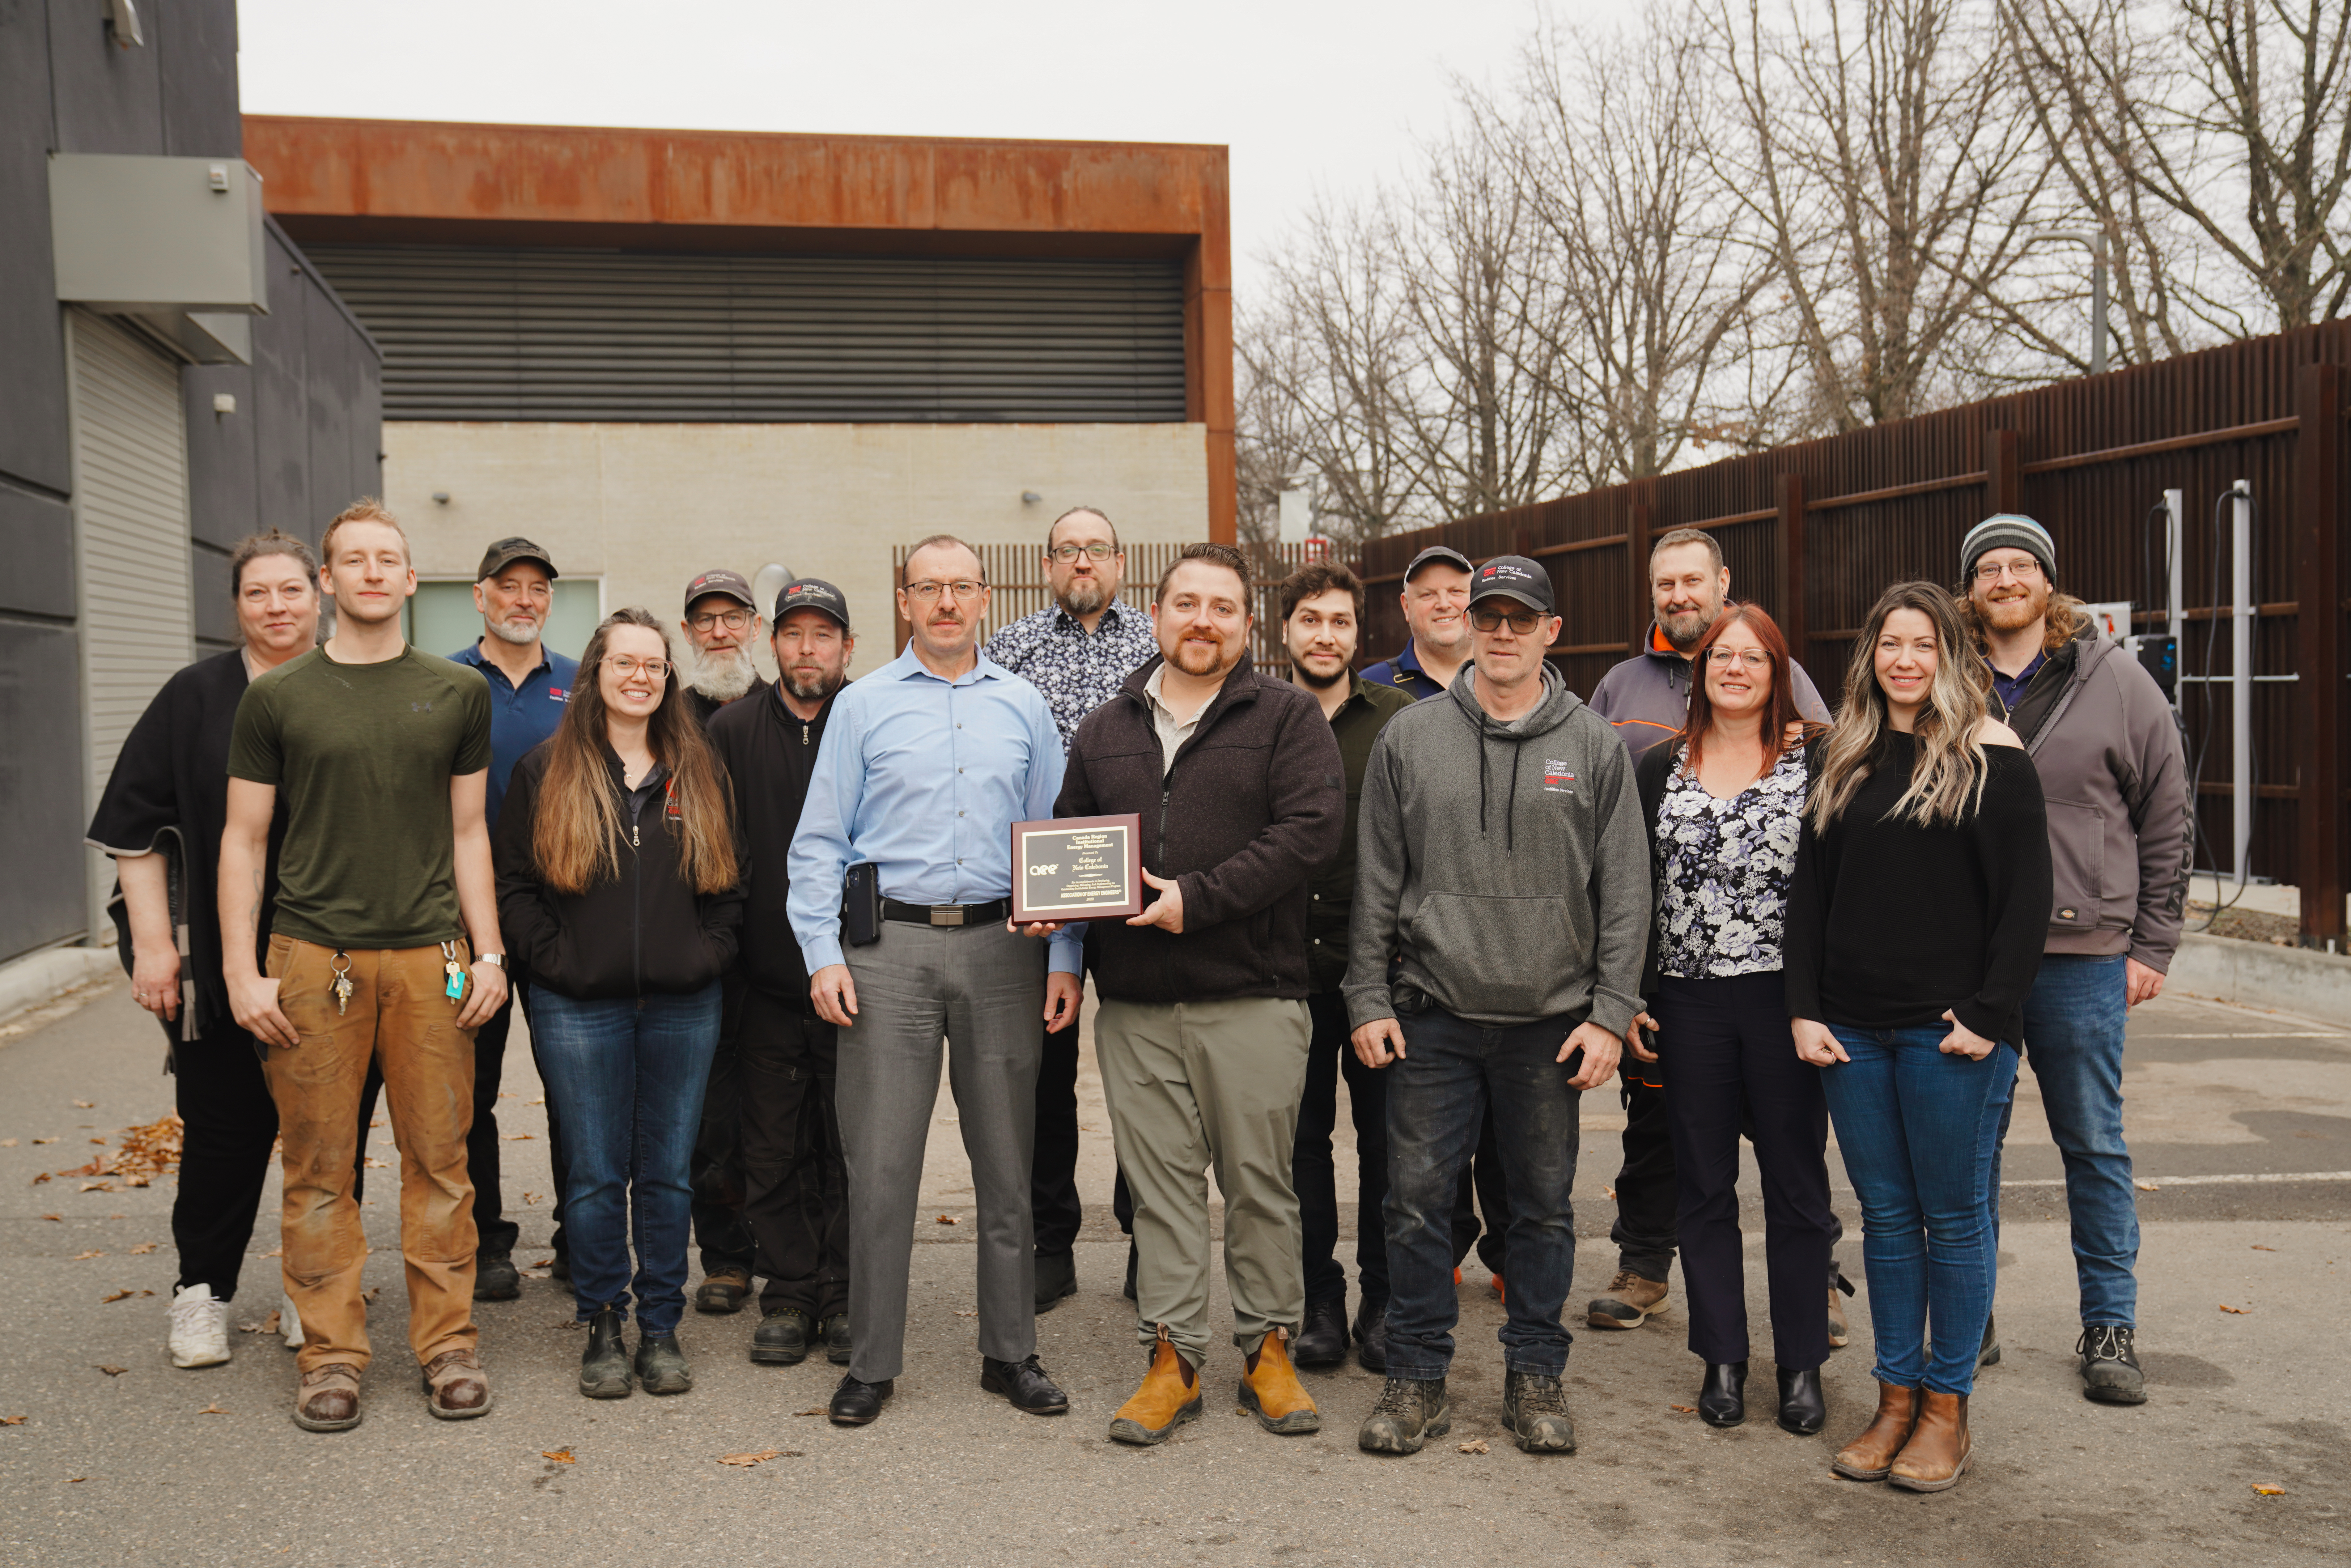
[{"x": 926, "y": 765}]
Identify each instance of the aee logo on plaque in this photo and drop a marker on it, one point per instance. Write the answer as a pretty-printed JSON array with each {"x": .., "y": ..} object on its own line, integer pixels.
[{"x": 1078, "y": 868}]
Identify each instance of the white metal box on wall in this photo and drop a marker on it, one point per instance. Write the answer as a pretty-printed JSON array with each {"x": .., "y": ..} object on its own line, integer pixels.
[{"x": 177, "y": 243}]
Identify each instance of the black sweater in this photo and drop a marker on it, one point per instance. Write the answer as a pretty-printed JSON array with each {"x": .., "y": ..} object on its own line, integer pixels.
[
  {"x": 1890, "y": 923},
  {"x": 769, "y": 754},
  {"x": 647, "y": 932}
]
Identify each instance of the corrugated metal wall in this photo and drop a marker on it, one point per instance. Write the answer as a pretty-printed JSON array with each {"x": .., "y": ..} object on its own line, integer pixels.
[{"x": 543, "y": 333}]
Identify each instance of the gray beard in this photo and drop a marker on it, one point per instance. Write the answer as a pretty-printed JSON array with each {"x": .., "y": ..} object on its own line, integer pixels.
[
  {"x": 813, "y": 694},
  {"x": 505, "y": 633},
  {"x": 722, "y": 678},
  {"x": 1085, "y": 597}
]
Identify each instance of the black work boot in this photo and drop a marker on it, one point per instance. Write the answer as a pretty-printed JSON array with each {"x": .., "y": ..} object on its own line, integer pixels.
[
  {"x": 833, "y": 1329},
  {"x": 1534, "y": 1407},
  {"x": 1371, "y": 1336},
  {"x": 2110, "y": 1373},
  {"x": 495, "y": 1278},
  {"x": 781, "y": 1339},
  {"x": 1321, "y": 1339},
  {"x": 604, "y": 1365},
  {"x": 1057, "y": 1276},
  {"x": 1411, "y": 1410},
  {"x": 661, "y": 1365}
]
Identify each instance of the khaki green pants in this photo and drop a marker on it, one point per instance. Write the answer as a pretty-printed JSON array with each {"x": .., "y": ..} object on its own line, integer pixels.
[{"x": 1190, "y": 1087}]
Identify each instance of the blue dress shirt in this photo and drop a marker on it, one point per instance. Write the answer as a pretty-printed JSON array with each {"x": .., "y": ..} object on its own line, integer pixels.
[
  {"x": 521, "y": 716},
  {"x": 924, "y": 777}
]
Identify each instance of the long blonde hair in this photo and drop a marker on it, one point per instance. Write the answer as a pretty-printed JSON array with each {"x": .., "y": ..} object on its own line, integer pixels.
[
  {"x": 576, "y": 834},
  {"x": 1947, "y": 778}
]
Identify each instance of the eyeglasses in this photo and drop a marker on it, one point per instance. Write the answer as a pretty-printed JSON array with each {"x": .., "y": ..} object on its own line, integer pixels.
[
  {"x": 2024, "y": 571},
  {"x": 1753, "y": 658},
  {"x": 624, "y": 665},
  {"x": 1523, "y": 622},
  {"x": 1097, "y": 552},
  {"x": 928, "y": 592},
  {"x": 733, "y": 619}
]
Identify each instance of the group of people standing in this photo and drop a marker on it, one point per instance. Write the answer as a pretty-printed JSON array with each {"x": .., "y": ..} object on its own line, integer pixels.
[{"x": 743, "y": 917}]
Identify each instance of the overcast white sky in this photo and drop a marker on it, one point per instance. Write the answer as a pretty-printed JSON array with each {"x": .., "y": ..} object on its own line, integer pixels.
[{"x": 1308, "y": 96}]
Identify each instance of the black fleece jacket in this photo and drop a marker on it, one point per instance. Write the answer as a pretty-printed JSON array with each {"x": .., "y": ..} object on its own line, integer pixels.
[
  {"x": 769, "y": 753},
  {"x": 649, "y": 932},
  {"x": 1255, "y": 802}
]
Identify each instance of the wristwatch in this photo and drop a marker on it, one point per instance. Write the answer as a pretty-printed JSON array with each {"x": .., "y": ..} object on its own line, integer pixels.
[{"x": 498, "y": 959}]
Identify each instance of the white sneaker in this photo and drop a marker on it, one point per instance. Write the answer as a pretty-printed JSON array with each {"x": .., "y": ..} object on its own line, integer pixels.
[
  {"x": 289, "y": 1322},
  {"x": 199, "y": 1328}
]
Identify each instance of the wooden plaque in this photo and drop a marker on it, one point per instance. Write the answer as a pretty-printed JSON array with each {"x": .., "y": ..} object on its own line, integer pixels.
[{"x": 1078, "y": 868}]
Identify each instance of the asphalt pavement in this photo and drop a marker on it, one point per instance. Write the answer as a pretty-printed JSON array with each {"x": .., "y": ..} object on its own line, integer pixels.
[{"x": 2241, "y": 1123}]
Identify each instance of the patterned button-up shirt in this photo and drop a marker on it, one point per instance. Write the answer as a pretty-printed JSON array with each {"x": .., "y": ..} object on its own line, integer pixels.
[{"x": 1077, "y": 671}]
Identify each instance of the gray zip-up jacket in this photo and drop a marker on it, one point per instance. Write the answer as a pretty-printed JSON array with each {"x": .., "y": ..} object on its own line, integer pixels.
[
  {"x": 1504, "y": 864},
  {"x": 1647, "y": 697},
  {"x": 2120, "y": 838}
]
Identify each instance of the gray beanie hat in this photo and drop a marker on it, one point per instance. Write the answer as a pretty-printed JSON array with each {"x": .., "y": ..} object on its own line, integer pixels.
[{"x": 2009, "y": 530}]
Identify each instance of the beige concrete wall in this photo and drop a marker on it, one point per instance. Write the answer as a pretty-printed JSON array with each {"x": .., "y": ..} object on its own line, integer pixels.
[{"x": 650, "y": 507}]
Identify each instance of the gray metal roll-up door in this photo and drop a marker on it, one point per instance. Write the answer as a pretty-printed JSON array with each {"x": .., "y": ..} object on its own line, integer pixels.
[{"x": 549, "y": 334}]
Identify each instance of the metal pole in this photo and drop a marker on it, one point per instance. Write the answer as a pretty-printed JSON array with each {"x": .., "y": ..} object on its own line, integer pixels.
[
  {"x": 2098, "y": 304},
  {"x": 2241, "y": 674},
  {"x": 2175, "y": 544}
]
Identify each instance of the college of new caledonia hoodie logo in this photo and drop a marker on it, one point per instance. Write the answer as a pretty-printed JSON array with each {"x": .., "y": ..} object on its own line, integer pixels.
[{"x": 1557, "y": 779}]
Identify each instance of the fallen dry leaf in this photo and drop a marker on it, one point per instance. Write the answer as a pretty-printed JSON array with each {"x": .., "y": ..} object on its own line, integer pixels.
[
  {"x": 519, "y": 1137},
  {"x": 75, "y": 1480},
  {"x": 99, "y": 1141},
  {"x": 11, "y": 1420},
  {"x": 40, "y": 1140},
  {"x": 560, "y": 1455},
  {"x": 142, "y": 1249},
  {"x": 109, "y": 1371},
  {"x": 947, "y": 1220},
  {"x": 1476, "y": 1446},
  {"x": 40, "y": 1178},
  {"x": 2268, "y": 1488},
  {"x": 544, "y": 1263},
  {"x": 370, "y": 1293},
  {"x": 7, "y": 1143},
  {"x": 530, "y": 1197},
  {"x": 212, "y": 1410},
  {"x": 122, "y": 1295},
  {"x": 79, "y": 1256},
  {"x": 86, "y": 1104},
  {"x": 816, "y": 1410},
  {"x": 267, "y": 1325},
  {"x": 748, "y": 1460},
  {"x": 58, "y": 1218},
  {"x": 1684, "y": 1409},
  {"x": 2241, "y": 1312},
  {"x": 961, "y": 1313},
  {"x": 2259, "y": 1247},
  {"x": 374, "y": 1163},
  {"x": 98, "y": 1187},
  {"x": 2147, "y": 1187}
]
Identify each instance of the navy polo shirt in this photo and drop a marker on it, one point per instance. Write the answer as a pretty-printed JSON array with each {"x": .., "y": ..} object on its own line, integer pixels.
[{"x": 521, "y": 716}]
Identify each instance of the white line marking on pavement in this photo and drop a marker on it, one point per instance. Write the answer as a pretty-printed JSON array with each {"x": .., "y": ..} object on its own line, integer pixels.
[
  {"x": 2274, "y": 1034},
  {"x": 2159, "y": 1182}
]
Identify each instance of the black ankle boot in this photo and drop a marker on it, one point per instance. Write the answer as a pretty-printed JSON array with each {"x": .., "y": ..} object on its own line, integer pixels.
[
  {"x": 1804, "y": 1409},
  {"x": 1722, "y": 1397},
  {"x": 604, "y": 1365},
  {"x": 1321, "y": 1339},
  {"x": 661, "y": 1365}
]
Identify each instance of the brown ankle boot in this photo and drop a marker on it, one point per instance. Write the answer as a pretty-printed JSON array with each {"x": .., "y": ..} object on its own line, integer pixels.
[
  {"x": 1870, "y": 1457},
  {"x": 1270, "y": 1391},
  {"x": 1935, "y": 1457},
  {"x": 1170, "y": 1395}
]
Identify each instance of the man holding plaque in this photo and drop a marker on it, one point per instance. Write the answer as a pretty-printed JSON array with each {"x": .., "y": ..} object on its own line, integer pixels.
[
  {"x": 901, "y": 878},
  {"x": 1203, "y": 1032}
]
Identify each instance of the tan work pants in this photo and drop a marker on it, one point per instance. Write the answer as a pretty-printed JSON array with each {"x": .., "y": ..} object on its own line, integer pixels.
[{"x": 399, "y": 1015}]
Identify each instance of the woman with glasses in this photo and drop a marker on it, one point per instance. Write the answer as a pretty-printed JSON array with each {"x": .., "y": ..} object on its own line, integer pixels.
[
  {"x": 1724, "y": 800},
  {"x": 619, "y": 892},
  {"x": 1914, "y": 928}
]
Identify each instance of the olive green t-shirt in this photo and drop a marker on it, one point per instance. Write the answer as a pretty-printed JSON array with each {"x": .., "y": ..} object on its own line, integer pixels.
[{"x": 361, "y": 756}]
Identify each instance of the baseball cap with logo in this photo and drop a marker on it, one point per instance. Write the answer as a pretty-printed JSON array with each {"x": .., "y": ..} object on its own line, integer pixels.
[
  {"x": 730, "y": 583},
  {"x": 1445, "y": 554},
  {"x": 812, "y": 594},
  {"x": 1512, "y": 576},
  {"x": 506, "y": 551}
]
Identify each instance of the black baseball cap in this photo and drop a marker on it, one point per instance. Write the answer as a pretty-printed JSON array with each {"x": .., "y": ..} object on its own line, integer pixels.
[
  {"x": 1444, "y": 553},
  {"x": 812, "y": 594},
  {"x": 1512, "y": 576},
  {"x": 730, "y": 583},
  {"x": 505, "y": 552}
]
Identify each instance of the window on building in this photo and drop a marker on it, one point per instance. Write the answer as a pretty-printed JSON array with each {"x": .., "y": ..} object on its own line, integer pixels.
[{"x": 442, "y": 619}]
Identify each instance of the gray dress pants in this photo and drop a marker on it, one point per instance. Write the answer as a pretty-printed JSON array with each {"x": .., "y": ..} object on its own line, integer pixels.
[{"x": 983, "y": 989}]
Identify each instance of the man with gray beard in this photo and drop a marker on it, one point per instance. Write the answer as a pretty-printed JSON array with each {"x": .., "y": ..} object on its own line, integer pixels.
[{"x": 722, "y": 625}]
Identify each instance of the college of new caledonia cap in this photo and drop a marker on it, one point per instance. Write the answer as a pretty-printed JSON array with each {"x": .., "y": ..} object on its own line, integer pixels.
[
  {"x": 1512, "y": 576},
  {"x": 730, "y": 583},
  {"x": 1444, "y": 553},
  {"x": 507, "y": 551},
  {"x": 811, "y": 593}
]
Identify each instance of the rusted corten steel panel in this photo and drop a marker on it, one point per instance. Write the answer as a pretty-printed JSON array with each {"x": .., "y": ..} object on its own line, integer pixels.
[
  {"x": 2090, "y": 458},
  {"x": 355, "y": 181}
]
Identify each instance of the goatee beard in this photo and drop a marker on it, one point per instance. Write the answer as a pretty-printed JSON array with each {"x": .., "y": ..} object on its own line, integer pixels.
[
  {"x": 1086, "y": 595},
  {"x": 721, "y": 677}
]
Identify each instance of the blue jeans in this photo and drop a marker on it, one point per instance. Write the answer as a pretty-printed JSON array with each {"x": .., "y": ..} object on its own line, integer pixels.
[
  {"x": 1920, "y": 1132},
  {"x": 1437, "y": 1095},
  {"x": 627, "y": 1077},
  {"x": 2074, "y": 1043}
]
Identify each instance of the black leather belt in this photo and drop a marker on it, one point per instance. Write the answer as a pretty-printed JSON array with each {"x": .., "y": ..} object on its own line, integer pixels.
[{"x": 946, "y": 913}]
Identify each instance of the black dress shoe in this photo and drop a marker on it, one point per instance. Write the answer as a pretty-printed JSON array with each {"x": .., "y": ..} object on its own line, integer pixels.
[
  {"x": 1371, "y": 1336},
  {"x": 1722, "y": 1397},
  {"x": 854, "y": 1402},
  {"x": 1321, "y": 1339},
  {"x": 1023, "y": 1383},
  {"x": 1804, "y": 1409},
  {"x": 1057, "y": 1276}
]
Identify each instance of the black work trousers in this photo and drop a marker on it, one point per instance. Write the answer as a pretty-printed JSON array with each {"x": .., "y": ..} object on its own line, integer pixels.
[
  {"x": 795, "y": 1182},
  {"x": 1330, "y": 1056},
  {"x": 228, "y": 1125},
  {"x": 496, "y": 1232},
  {"x": 1734, "y": 1061},
  {"x": 1644, "y": 1230},
  {"x": 716, "y": 1171},
  {"x": 1483, "y": 1189}
]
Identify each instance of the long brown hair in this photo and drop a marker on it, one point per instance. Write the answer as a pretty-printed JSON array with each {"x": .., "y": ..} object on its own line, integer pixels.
[
  {"x": 576, "y": 835},
  {"x": 1783, "y": 710},
  {"x": 1947, "y": 776}
]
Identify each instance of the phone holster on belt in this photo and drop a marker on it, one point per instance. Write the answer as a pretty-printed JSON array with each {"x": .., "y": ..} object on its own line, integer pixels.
[{"x": 860, "y": 904}]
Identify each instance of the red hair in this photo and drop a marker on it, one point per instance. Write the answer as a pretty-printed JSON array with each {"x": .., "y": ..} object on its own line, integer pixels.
[{"x": 1782, "y": 710}]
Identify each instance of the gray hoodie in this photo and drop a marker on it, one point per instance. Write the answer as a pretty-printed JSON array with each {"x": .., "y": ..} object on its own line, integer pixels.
[{"x": 1504, "y": 864}]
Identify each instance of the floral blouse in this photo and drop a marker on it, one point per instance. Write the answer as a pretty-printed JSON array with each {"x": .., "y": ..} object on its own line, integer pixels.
[{"x": 1722, "y": 872}]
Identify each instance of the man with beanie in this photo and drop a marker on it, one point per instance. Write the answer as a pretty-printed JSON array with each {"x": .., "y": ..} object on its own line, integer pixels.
[
  {"x": 2121, "y": 838},
  {"x": 1502, "y": 858}
]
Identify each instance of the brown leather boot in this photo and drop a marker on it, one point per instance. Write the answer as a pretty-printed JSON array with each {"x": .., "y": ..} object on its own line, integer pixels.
[
  {"x": 1935, "y": 1457},
  {"x": 1270, "y": 1391},
  {"x": 455, "y": 1386},
  {"x": 329, "y": 1398},
  {"x": 1870, "y": 1457},
  {"x": 1170, "y": 1395}
]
